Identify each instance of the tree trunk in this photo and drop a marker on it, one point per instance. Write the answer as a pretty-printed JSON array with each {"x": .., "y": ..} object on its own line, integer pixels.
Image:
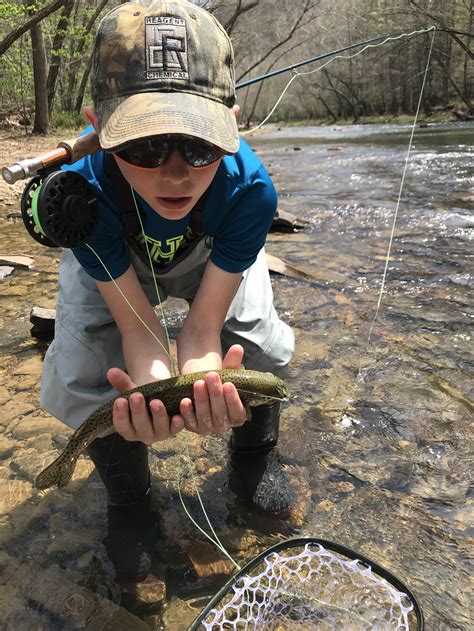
[
  {"x": 41, "y": 123},
  {"x": 83, "y": 85},
  {"x": 78, "y": 51},
  {"x": 55, "y": 55},
  {"x": 467, "y": 77}
]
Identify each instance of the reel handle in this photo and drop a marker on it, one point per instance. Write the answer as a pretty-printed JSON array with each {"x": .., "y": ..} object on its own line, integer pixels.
[{"x": 67, "y": 151}]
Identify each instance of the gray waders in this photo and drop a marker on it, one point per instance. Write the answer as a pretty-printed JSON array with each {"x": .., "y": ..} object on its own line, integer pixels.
[{"x": 87, "y": 343}]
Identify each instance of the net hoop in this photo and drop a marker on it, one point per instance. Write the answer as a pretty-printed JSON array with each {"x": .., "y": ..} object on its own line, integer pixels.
[{"x": 312, "y": 541}]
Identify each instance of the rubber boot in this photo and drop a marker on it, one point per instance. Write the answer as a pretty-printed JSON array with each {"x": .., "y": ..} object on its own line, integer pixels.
[
  {"x": 123, "y": 467},
  {"x": 257, "y": 462}
]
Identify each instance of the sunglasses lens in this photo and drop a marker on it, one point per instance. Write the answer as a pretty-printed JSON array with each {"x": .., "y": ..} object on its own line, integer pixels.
[
  {"x": 199, "y": 154},
  {"x": 154, "y": 153},
  {"x": 149, "y": 154}
]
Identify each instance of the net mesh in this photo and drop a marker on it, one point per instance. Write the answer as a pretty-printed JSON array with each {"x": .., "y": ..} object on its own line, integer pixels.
[{"x": 311, "y": 589}]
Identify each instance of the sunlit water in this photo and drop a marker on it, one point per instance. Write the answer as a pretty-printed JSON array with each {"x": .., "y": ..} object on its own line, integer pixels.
[{"x": 378, "y": 434}]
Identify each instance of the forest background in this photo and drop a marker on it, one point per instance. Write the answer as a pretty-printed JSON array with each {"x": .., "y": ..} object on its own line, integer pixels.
[{"x": 46, "y": 46}]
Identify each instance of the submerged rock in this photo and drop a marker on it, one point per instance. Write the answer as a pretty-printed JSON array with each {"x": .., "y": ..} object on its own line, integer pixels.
[
  {"x": 43, "y": 323},
  {"x": 208, "y": 561},
  {"x": 5, "y": 270}
]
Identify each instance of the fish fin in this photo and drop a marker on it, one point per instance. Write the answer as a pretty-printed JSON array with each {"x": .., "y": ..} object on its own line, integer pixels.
[{"x": 58, "y": 472}]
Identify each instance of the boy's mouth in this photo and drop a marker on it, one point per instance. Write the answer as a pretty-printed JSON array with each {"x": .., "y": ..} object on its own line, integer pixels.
[{"x": 174, "y": 203}]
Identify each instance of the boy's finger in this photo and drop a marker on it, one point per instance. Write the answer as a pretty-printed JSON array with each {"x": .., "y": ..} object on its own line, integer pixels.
[
  {"x": 119, "y": 380},
  {"x": 234, "y": 357},
  {"x": 141, "y": 419},
  {"x": 161, "y": 420},
  {"x": 122, "y": 420},
  {"x": 186, "y": 408},
  {"x": 236, "y": 409},
  {"x": 220, "y": 417},
  {"x": 177, "y": 424},
  {"x": 202, "y": 408}
]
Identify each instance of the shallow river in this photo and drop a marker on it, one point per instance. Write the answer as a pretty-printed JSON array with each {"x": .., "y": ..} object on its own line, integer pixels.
[{"x": 378, "y": 434}]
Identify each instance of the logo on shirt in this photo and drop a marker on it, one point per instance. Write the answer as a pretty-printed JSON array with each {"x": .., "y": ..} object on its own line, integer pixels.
[
  {"x": 163, "y": 252},
  {"x": 166, "y": 48}
]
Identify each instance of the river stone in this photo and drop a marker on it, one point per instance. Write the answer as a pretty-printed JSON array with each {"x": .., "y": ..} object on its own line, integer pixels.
[
  {"x": 83, "y": 470},
  {"x": 27, "y": 513},
  {"x": 35, "y": 425},
  {"x": 4, "y": 395},
  {"x": 72, "y": 541},
  {"x": 151, "y": 591},
  {"x": 56, "y": 593},
  {"x": 32, "y": 365},
  {"x": 13, "y": 492},
  {"x": 17, "y": 260},
  {"x": 43, "y": 323},
  {"x": 6, "y": 447},
  {"x": 178, "y": 615},
  {"x": 5, "y": 271},
  {"x": 22, "y": 617},
  {"x": 14, "y": 408},
  {"x": 208, "y": 561},
  {"x": 27, "y": 383},
  {"x": 42, "y": 442},
  {"x": 8, "y": 566},
  {"x": 28, "y": 463}
]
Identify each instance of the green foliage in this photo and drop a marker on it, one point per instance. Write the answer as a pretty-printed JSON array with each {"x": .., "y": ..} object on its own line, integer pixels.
[
  {"x": 68, "y": 120},
  {"x": 9, "y": 11},
  {"x": 383, "y": 81}
]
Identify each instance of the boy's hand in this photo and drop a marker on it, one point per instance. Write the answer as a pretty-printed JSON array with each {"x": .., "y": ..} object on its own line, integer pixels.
[
  {"x": 131, "y": 417},
  {"x": 217, "y": 406}
]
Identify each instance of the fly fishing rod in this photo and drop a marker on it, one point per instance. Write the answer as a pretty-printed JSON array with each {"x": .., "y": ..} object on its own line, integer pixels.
[
  {"x": 70, "y": 151},
  {"x": 59, "y": 208}
]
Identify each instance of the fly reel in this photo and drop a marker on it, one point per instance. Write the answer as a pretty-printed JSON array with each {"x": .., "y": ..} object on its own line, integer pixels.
[{"x": 60, "y": 209}]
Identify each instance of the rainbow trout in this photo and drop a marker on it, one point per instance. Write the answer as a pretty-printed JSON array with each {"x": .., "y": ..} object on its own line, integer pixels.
[{"x": 254, "y": 388}]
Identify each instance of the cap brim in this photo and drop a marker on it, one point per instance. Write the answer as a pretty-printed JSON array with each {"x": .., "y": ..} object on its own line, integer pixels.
[{"x": 126, "y": 119}]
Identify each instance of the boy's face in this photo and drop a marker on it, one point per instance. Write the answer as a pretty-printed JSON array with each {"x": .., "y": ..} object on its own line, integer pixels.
[{"x": 172, "y": 189}]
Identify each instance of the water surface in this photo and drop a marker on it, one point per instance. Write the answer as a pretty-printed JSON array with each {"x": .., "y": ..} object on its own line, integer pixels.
[{"x": 378, "y": 434}]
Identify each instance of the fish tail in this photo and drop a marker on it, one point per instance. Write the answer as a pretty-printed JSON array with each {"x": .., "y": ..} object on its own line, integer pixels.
[{"x": 58, "y": 472}]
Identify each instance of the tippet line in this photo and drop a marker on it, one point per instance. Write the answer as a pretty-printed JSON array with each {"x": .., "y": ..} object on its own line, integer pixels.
[
  {"x": 297, "y": 74},
  {"x": 185, "y": 445},
  {"x": 216, "y": 541}
]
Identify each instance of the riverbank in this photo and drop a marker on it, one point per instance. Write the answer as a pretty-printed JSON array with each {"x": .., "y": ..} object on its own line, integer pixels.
[
  {"x": 17, "y": 145},
  {"x": 451, "y": 114}
]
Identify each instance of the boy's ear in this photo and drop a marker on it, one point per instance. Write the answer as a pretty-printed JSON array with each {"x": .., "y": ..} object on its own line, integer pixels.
[
  {"x": 90, "y": 114},
  {"x": 236, "y": 110}
]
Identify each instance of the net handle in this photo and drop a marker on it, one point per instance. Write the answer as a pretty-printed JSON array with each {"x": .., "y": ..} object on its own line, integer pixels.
[{"x": 329, "y": 545}]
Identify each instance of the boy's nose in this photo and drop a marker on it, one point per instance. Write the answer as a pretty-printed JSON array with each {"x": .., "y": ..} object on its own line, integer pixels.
[{"x": 175, "y": 169}]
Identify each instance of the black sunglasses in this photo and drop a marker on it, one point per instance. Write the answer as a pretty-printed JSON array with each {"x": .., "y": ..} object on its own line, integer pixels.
[{"x": 149, "y": 154}]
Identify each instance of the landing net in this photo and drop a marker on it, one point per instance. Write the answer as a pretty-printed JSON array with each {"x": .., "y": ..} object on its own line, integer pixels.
[{"x": 305, "y": 584}]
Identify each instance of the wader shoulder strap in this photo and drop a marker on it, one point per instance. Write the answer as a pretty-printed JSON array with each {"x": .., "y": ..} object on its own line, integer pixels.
[{"x": 127, "y": 205}]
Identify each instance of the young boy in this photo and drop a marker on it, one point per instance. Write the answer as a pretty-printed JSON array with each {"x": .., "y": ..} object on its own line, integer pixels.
[{"x": 175, "y": 184}]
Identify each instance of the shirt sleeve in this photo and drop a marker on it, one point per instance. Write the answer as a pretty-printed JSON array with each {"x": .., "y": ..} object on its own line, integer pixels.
[
  {"x": 104, "y": 256},
  {"x": 242, "y": 233}
]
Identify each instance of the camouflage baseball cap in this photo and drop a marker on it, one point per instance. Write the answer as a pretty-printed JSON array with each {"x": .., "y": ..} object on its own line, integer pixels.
[{"x": 163, "y": 67}]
